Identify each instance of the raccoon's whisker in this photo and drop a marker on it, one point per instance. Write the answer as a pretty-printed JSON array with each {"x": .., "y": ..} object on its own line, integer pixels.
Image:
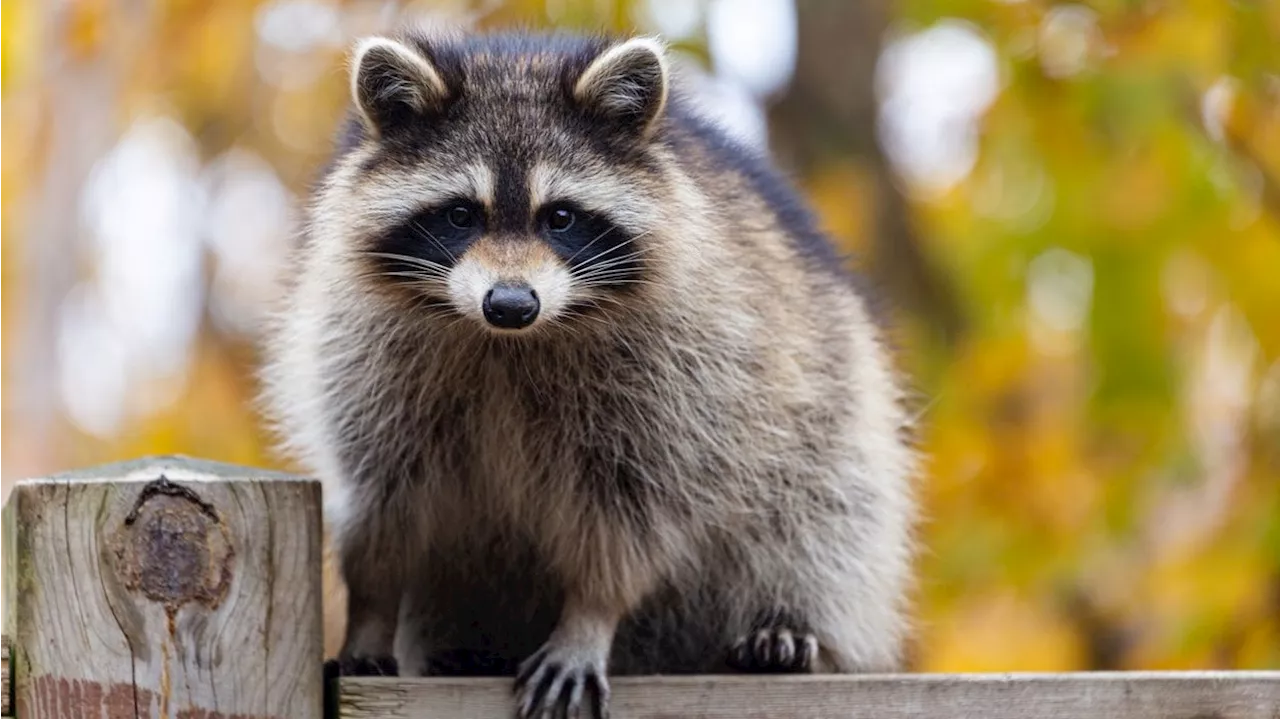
[
  {"x": 401, "y": 277},
  {"x": 403, "y": 258},
  {"x": 430, "y": 290},
  {"x": 417, "y": 226},
  {"x": 640, "y": 236},
  {"x": 613, "y": 281},
  {"x": 421, "y": 303},
  {"x": 411, "y": 260},
  {"x": 615, "y": 285},
  {"x": 605, "y": 272},
  {"x": 611, "y": 261},
  {"x": 588, "y": 271},
  {"x": 626, "y": 242},
  {"x": 602, "y": 322},
  {"x": 589, "y": 244},
  {"x": 427, "y": 300},
  {"x": 604, "y": 313},
  {"x": 413, "y": 276},
  {"x": 573, "y": 321},
  {"x": 594, "y": 302},
  {"x": 423, "y": 285},
  {"x": 616, "y": 277},
  {"x": 429, "y": 286},
  {"x": 573, "y": 313},
  {"x": 604, "y": 256}
]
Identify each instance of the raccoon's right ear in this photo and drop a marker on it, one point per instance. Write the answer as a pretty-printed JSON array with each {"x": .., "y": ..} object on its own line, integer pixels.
[{"x": 394, "y": 85}]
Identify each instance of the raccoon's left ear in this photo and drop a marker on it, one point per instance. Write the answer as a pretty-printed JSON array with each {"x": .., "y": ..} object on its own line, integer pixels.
[{"x": 626, "y": 83}]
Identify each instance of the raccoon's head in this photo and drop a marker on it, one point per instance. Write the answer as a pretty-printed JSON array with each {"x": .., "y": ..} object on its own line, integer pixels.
[{"x": 518, "y": 182}]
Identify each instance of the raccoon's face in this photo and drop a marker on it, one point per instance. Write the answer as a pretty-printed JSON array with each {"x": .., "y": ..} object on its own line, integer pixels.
[{"x": 515, "y": 182}]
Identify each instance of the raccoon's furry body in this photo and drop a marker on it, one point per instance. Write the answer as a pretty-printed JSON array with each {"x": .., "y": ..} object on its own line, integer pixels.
[{"x": 696, "y": 444}]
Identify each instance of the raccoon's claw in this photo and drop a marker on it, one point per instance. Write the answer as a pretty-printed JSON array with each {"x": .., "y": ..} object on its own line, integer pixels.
[
  {"x": 777, "y": 649},
  {"x": 360, "y": 666},
  {"x": 554, "y": 681}
]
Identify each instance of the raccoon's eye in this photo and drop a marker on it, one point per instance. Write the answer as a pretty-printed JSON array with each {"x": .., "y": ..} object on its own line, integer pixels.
[
  {"x": 461, "y": 217},
  {"x": 560, "y": 220}
]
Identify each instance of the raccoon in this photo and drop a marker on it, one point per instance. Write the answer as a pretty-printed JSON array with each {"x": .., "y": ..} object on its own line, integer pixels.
[{"x": 589, "y": 392}]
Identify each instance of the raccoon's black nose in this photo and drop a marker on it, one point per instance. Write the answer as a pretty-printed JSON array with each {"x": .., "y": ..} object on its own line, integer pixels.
[{"x": 511, "y": 307}]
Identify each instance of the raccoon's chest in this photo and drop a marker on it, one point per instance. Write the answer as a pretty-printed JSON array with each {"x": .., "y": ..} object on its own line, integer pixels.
[
  {"x": 521, "y": 427},
  {"x": 525, "y": 432},
  {"x": 531, "y": 427}
]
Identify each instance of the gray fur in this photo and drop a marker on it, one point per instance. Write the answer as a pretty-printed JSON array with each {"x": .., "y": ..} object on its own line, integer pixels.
[{"x": 714, "y": 449}]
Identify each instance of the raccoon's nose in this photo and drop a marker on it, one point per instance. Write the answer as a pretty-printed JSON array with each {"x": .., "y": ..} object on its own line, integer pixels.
[{"x": 511, "y": 307}]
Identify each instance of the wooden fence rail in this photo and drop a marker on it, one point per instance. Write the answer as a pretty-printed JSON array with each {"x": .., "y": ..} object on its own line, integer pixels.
[
  {"x": 184, "y": 589},
  {"x": 1084, "y": 695}
]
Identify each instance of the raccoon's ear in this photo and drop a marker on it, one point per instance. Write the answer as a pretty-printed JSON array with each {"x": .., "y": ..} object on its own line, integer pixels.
[
  {"x": 627, "y": 83},
  {"x": 394, "y": 85}
]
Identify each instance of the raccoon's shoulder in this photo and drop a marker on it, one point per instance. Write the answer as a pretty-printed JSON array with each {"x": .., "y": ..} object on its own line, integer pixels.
[{"x": 694, "y": 134}]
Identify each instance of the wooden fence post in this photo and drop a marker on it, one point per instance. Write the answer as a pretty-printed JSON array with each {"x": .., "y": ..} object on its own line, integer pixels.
[
  {"x": 166, "y": 587},
  {"x": 4, "y": 676}
]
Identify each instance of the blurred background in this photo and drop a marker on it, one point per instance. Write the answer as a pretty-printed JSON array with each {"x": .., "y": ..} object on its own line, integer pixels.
[{"x": 1074, "y": 209}]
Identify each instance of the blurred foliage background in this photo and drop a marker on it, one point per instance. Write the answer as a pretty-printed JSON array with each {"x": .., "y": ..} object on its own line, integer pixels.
[{"x": 1073, "y": 208}]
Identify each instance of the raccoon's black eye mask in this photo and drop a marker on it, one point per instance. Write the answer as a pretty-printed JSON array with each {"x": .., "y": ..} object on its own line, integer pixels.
[
  {"x": 438, "y": 235},
  {"x": 594, "y": 248},
  {"x": 591, "y": 244}
]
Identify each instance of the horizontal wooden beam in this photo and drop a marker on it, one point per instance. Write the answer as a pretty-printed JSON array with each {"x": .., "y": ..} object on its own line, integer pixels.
[{"x": 1086, "y": 695}]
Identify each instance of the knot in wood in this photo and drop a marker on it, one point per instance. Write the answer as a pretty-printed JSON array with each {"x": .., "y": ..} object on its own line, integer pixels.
[{"x": 174, "y": 548}]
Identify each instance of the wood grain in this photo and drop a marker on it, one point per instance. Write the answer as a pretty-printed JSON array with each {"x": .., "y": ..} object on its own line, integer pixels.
[
  {"x": 8, "y": 586},
  {"x": 1122, "y": 695},
  {"x": 167, "y": 587},
  {"x": 4, "y": 676}
]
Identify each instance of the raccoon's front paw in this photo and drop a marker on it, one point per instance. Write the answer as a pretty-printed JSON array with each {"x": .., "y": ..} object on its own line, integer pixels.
[
  {"x": 554, "y": 681},
  {"x": 774, "y": 649},
  {"x": 360, "y": 666}
]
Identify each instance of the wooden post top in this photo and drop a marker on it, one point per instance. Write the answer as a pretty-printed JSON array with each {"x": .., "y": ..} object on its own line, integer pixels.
[
  {"x": 173, "y": 466},
  {"x": 168, "y": 587}
]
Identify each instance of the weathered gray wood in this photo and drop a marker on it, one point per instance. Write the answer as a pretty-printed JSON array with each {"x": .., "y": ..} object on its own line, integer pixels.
[
  {"x": 8, "y": 585},
  {"x": 167, "y": 587},
  {"x": 1119, "y": 695},
  {"x": 4, "y": 677}
]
